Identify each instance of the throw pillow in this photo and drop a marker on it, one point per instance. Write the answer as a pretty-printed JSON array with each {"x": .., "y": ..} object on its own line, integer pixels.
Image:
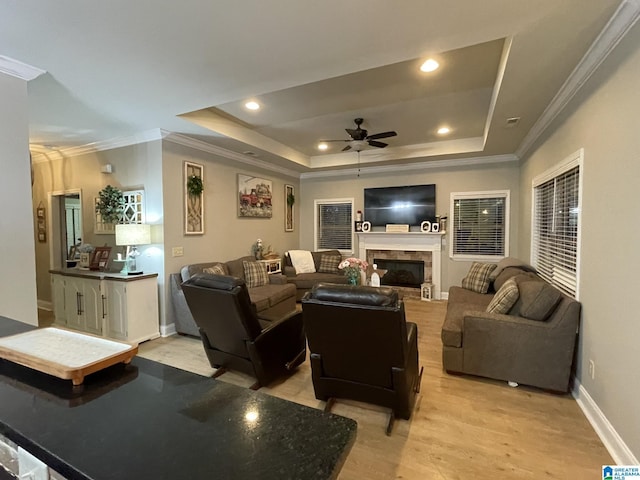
[
  {"x": 329, "y": 263},
  {"x": 539, "y": 299},
  {"x": 217, "y": 269},
  {"x": 302, "y": 261},
  {"x": 505, "y": 298},
  {"x": 255, "y": 274},
  {"x": 477, "y": 280}
]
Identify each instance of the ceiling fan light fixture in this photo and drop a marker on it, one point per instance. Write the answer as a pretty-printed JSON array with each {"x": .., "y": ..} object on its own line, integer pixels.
[
  {"x": 252, "y": 105},
  {"x": 444, "y": 130},
  {"x": 429, "y": 66}
]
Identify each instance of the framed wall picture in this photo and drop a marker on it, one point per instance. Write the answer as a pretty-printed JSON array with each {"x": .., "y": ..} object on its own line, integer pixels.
[
  {"x": 289, "y": 201},
  {"x": 254, "y": 197},
  {"x": 100, "y": 258},
  {"x": 193, "y": 198},
  {"x": 41, "y": 223}
]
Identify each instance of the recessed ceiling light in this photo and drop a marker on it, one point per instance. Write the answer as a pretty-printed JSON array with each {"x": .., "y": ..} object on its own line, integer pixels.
[
  {"x": 443, "y": 130},
  {"x": 252, "y": 105},
  {"x": 322, "y": 146},
  {"x": 429, "y": 66}
]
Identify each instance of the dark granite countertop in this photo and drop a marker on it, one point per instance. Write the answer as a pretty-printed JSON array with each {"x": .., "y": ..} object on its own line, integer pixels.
[{"x": 151, "y": 421}]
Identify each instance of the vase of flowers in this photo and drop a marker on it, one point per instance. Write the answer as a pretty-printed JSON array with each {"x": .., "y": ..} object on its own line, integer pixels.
[{"x": 353, "y": 268}]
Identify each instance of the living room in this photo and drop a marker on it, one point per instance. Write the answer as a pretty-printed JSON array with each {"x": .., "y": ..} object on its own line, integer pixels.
[{"x": 598, "y": 118}]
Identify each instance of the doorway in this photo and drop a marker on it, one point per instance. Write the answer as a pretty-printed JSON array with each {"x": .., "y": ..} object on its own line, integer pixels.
[{"x": 66, "y": 226}]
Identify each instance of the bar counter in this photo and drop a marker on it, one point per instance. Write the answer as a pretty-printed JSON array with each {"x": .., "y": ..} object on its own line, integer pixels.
[{"x": 146, "y": 420}]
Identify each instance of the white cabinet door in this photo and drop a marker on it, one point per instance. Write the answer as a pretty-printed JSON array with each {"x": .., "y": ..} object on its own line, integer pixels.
[
  {"x": 57, "y": 290},
  {"x": 83, "y": 304},
  {"x": 92, "y": 306},
  {"x": 116, "y": 293},
  {"x": 72, "y": 302}
]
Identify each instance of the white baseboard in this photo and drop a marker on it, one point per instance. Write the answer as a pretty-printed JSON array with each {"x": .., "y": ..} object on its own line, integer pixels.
[
  {"x": 610, "y": 438},
  {"x": 444, "y": 295},
  {"x": 45, "y": 305},
  {"x": 168, "y": 330}
]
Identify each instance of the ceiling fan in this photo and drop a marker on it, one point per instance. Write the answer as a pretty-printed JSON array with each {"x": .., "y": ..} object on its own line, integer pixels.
[{"x": 359, "y": 138}]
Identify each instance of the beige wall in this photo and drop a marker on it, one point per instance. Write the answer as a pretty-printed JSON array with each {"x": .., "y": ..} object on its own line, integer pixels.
[
  {"x": 499, "y": 176},
  {"x": 603, "y": 119},
  {"x": 136, "y": 166},
  {"x": 226, "y": 236},
  {"x": 18, "y": 284}
]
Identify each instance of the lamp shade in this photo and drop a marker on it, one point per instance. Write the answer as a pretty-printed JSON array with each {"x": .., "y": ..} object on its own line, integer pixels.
[{"x": 133, "y": 234}]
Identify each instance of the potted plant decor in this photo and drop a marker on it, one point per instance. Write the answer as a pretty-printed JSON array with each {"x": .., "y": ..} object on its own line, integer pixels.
[{"x": 110, "y": 205}]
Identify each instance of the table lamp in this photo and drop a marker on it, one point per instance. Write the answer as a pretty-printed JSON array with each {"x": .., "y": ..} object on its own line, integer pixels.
[{"x": 131, "y": 235}]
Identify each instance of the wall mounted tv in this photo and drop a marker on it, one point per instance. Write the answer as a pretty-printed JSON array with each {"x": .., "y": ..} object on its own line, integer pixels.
[{"x": 410, "y": 205}]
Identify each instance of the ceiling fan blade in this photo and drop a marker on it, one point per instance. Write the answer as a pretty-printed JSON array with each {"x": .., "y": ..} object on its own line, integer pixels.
[
  {"x": 373, "y": 143},
  {"x": 375, "y": 136},
  {"x": 348, "y": 147},
  {"x": 321, "y": 141},
  {"x": 351, "y": 131}
]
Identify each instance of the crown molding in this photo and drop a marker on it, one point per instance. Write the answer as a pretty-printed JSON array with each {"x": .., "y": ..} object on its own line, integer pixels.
[
  {"x": 619, "y": 24},
  {"x": 410, "y": 167},
  {"x": 142, "y": 137},
  {"x": 18, "y": 69},
  {"x": 223, "y": 152}
]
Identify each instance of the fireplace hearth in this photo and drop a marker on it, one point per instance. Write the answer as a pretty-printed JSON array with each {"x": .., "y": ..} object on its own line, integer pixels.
[{"x": 401, "y": 273}]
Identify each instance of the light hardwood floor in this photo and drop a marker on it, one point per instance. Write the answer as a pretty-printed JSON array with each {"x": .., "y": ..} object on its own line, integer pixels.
[{"x": 462, "y": 428}]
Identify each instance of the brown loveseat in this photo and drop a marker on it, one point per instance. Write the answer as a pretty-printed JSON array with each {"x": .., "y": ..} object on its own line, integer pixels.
[
  {"x": 305, "y": 281},
  {"x": 272, "y": 301},
  {"x": 536, "y": 351}
]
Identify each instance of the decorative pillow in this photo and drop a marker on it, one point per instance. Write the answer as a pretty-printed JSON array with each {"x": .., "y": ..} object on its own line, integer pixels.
[
  {"x": 329, "y": 263},
  {"x": 477, "y": 280},
  {"x": 302, "y": 261},
  {"x": 539, "y": 299},
  {"x": 255, "y": 274},
  {"x": 505, "y": 298},
  {"x": 217, "y": 269}
]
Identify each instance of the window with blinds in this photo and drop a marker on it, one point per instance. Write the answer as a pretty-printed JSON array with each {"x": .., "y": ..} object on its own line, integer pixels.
[
  {"x": 479, "y": 225},
  {"x": 556, "y": 225},
  {"x": 334, "y": 225}
]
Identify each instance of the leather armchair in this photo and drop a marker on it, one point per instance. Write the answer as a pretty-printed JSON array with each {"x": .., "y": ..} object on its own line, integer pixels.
[
  {"x": 361, "y": 347},
  {"x": 235, "y": 338}
]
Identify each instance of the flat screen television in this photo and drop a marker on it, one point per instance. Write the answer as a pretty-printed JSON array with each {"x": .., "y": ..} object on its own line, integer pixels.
[{"x": 412, "y": 205}]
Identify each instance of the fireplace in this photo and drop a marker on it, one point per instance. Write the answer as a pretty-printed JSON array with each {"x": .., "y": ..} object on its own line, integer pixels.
[
  {"x": 401, "y": 273},
  {"x": 415, "y": 246}
]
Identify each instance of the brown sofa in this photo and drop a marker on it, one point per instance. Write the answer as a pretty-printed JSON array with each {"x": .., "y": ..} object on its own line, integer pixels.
[
  {"x": 537, "y": 352},
  {"x": 305, "y": 281},
  {"x": 272, "y": 301}
]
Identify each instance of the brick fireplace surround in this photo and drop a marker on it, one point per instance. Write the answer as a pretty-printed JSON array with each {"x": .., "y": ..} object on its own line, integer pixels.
[{"x": 406, "y": 246}]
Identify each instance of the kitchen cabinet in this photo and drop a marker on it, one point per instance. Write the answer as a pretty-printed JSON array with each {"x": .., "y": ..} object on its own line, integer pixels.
[{"x": 110, "y": 305}]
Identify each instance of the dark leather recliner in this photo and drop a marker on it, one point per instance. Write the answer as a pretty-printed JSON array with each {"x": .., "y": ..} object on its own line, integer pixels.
[
  {"x": 361, "y": 346},
  {"x": 235, "y": 338}
]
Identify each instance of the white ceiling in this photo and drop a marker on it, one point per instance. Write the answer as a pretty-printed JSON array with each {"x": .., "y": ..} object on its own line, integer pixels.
[{"x": 119, "y": 68}]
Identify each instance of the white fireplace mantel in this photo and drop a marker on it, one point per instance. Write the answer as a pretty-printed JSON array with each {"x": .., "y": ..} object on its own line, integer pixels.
[{"x": 409, "y": 241}]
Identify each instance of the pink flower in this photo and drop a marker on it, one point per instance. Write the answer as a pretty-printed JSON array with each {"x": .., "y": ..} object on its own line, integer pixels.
[{"x": 353, "y": 263}]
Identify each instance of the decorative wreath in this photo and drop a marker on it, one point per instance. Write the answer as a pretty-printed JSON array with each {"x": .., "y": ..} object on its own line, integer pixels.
[{"x": 194, "y": 185}]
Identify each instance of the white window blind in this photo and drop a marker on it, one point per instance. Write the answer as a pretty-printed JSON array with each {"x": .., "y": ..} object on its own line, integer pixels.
[
  {"x": 556, "y": 226},
  {"x": 479, "y": 225},
  {"x": 334, "y": 225}
]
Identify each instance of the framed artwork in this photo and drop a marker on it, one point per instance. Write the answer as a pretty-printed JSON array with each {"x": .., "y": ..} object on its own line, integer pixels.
[
  {"x": 100, "y": 258},
  {"x": 254, "y": 197},
  {"x": 289, "y": 201},
  {"x": 42, "y": 223},
  {"x": 193, "y": 199}
]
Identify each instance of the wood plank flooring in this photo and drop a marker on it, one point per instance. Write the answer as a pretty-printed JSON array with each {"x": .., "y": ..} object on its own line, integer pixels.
[{"x": 462, "y": 428}]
